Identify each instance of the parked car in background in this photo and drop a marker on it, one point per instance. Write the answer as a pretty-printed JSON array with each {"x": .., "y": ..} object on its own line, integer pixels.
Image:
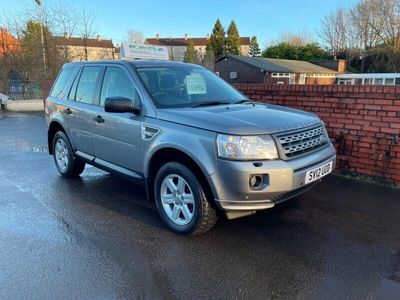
[
  {"x": 197, "y": 144},
  {"x": 3, "y": 98}
]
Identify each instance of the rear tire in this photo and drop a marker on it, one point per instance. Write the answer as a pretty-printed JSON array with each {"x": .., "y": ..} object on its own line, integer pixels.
[
  {"x": 68, "y": 165},
  {"x": 181, "y": 200}
]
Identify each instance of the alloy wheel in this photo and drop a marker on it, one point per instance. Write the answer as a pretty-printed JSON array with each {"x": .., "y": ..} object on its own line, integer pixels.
[{"x": 177, "y": 199}]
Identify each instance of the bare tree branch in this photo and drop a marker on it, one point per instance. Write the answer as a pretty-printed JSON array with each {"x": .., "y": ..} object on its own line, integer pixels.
[{"x": 134, "y": 37}]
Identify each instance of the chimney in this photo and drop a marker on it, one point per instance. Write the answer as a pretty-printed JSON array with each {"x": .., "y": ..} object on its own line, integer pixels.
[
  {"x": 157, "y": 36},
  {"x": 186, "y": 36},
  {"x": 208, "y": 36},
  {"x": 98, "y": 38},
  {"x": 66, "y": 35},
  {"x": 341, "y": 66}
]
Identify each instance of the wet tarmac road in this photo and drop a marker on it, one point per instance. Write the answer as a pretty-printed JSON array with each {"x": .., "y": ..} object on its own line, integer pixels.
[{"x": 98, "y": 238}]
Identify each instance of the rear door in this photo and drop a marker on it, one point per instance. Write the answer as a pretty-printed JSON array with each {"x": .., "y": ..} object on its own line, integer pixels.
[
  {"x": 84, "y": 98},
  {"x": 117, "y": 137},
  {"x": 57, "y": 102}
]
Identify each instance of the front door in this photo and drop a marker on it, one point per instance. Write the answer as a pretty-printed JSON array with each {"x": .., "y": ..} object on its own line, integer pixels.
[
  {"x": 117, "y": 137},
  {"x": 81, "y": 112}
]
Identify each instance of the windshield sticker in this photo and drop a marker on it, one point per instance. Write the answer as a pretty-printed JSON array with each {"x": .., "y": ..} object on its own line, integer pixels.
[{"x": 195, "y": 84}]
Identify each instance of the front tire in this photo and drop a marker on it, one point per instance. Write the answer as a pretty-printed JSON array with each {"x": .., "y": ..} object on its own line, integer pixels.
[
  {"x": 68, "y": 165},
  {"x": 181, "y": 200}
]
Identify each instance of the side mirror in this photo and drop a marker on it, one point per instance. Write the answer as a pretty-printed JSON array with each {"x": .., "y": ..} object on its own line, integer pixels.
[{"x": 121, "y": 105}]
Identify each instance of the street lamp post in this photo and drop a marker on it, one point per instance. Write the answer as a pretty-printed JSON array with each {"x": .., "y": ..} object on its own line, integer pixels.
[{"x": 39, "y": 4}]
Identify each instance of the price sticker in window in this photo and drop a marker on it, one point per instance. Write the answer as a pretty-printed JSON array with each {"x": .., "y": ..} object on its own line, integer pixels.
[{"x": 195, "y": 84}]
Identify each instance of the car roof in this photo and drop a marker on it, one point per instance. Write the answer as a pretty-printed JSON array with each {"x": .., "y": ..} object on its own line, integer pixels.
[{"x": 134, "y": 63}]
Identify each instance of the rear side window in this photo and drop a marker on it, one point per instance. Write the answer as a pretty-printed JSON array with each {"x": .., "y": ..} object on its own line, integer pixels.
[
  {"x": 61, "y": 82},
  {"x": 86, "y": 91},
  {"x": 72, "y": 92}
]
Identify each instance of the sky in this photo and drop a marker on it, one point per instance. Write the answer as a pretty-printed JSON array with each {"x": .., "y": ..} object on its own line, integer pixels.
[{"x": 267, "y": 19}]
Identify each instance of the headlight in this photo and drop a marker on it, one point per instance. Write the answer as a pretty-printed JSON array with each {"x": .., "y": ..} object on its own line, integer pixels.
[{"x": 246, "y": 147}]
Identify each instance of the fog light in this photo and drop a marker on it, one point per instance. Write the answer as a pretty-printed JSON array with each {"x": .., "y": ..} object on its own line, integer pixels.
[{"x": 256, "y": 181}]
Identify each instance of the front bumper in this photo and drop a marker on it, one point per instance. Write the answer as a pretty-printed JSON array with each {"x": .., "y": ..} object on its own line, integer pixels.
[{"x": 284, "y": 180}]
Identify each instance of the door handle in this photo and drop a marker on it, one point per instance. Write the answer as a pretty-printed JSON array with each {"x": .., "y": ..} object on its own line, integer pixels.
[
  {"x": 67, "y": 111},
  {"x": 99, "y": 119}
]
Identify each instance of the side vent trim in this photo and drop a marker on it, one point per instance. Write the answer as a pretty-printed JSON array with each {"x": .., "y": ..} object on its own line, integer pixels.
[{"x": 148, "y": 132}]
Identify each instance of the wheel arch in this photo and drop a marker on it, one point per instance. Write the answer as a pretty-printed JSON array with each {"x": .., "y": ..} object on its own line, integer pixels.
[
  {"x": 54, "y": 127},
  {"x": 170, "y": 154}
]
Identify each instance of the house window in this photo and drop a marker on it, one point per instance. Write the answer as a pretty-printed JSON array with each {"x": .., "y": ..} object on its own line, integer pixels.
[
  {"x": 280, "y": 75},
  {"x": 320, "y": 75},
  {"x": 377, "y": 81},
  {"x": 367, "y": 81},
  {"x": 233, "y": 75},
  {"x": 389, "y": 81},
  {"x": 345, "y": 81}
]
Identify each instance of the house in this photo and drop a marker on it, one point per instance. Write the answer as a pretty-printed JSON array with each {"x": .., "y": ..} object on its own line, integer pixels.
[
  {"x": 177, "y": 46},
  {"x": 245, "y": 69},
  {"x": 78, "y": 49}
]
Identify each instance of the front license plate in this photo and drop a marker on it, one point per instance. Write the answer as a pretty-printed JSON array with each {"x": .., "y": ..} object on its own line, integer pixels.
[{"x": 318, "y": 172}]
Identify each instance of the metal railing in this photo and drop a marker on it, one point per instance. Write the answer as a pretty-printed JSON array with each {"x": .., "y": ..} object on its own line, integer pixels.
[{"x": 24, "y": 90}]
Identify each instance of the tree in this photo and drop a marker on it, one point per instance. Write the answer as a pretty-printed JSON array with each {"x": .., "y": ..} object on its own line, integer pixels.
[
  {"x": 308, "y": 52},
  {"x": 254, "y": 47},
  {"x": 217, "y": 39},
  {"x": 191, "y": 55},
  {"x": 9, "y": 47},
  {"x": 34, "y": 50},
  {"x": 232, "y": 42},
  {"x": 335, "y": 27},
  {"x": 367, "y": 25},
  {"x": 62, "y": 17},
  {"x": 313, "y": 52},
  {"x": 300, "y": 38},
  {"x": 8, "y": 43},
  {"x": 134, "y": 37},
  {"x": 282, "y": 50},
  {"x": 209, "y": 57},
  {"x": 58, "y": 17},
  {"x": 387, "y": 28},
  {"x": 87, "y": 30}
]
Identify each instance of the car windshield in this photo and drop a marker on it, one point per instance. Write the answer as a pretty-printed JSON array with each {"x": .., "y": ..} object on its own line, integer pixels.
[{"x": 187, "y": 86}]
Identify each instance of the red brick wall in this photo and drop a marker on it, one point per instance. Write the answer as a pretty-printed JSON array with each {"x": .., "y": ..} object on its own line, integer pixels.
[{"x": 362, "y": 121}]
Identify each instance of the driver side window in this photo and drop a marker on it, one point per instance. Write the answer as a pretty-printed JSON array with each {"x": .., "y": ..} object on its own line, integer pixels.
[{"x": 116, "y": 83}]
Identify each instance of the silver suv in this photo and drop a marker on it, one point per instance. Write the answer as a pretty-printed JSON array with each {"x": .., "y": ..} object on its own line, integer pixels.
[{"x": 198, "y": 145}]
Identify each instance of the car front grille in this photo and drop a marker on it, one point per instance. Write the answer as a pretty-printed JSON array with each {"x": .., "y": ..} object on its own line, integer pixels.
[{"x": 302, "y": 141}]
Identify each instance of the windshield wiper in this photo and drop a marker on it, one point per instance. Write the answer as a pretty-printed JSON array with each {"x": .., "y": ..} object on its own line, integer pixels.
[
  {"x": 241, "y": 101},
  {"x": 210, "y": 103}
]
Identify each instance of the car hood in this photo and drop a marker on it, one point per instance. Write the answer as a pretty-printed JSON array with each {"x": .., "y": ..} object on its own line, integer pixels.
[{"x": 241, "y": 119}]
